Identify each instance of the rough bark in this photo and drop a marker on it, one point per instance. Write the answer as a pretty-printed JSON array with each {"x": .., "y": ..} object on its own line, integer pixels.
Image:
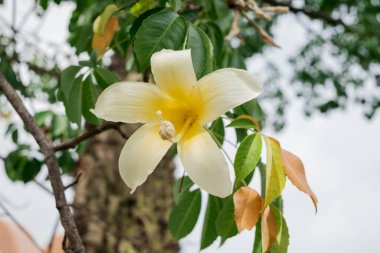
[{"x": 109, "y": 219}]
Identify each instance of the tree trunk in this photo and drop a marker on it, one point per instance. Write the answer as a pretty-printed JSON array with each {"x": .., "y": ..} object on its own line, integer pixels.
[{"x": 109, "y": 218}]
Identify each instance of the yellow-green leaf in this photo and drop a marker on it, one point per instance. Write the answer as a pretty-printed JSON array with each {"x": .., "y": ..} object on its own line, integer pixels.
[
  {"x": 247, "y": 156},
  {"x": 275, "y": 175},
  {"x": 102, "y": 20},
  {"x": 100, "y": 42}
]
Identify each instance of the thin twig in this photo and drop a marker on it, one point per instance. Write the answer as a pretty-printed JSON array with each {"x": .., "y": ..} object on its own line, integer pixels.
[
  {"x": 74, "y": 182},
  {"x": 263, "y": 34},
  {"x": 46, "y": 145},
  {"x": 14, "y": 10},
  {"x": 87, "y": 135},
  {"x": 181, "y": 183},
  {"x": 42, "y": 186},
  {"x": 310, "y": 13},
  {"x": 18, "y": 224}
]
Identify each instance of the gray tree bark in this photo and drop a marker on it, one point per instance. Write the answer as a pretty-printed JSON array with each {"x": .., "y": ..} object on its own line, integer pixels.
[{"x": 108, "y": 217}]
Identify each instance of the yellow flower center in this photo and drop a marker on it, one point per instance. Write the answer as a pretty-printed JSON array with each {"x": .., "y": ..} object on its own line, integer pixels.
[{"x": 167, "y": 128}]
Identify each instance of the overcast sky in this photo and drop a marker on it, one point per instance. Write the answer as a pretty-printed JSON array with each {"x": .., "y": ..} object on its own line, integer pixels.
[{"x": 340, "y": 152}]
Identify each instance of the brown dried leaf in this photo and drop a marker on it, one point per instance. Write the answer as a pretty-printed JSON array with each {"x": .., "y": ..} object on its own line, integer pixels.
[
  {"x": 100, "y": 42},
  {"x": 295, "y": 171},
  {"x": 248, "y": 206},
  {"x": 268, "y": 229}
]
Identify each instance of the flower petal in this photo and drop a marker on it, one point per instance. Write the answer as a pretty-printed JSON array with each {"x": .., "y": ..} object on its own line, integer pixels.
[
  {"x": 129, "y": 102},
  {"x": 173, "y": 72},
  {"x": 204, "y": 162},
  {"x": 224, "y": 89},
  {"x": 141, "y": 155}
]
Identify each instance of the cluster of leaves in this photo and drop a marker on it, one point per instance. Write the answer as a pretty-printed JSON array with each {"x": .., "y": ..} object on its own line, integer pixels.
[{"x": 244, "y": 209}]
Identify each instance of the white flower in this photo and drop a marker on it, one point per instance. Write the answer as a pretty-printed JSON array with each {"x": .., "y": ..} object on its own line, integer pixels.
[{"x": 175, "y": 111}]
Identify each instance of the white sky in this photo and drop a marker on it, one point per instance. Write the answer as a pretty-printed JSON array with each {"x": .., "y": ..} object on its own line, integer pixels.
[{"x": 340, "y": 152}]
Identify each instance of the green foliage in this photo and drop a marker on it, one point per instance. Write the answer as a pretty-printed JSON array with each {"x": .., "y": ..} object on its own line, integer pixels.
[
  {"x": 225, "y": 223},
  {"x": 161, "y": 30},
  {"x": 217, "y": 131},
  {"x": 202, "y": 53},
  {"x": 209, "y": 233},
  {"x": 281, "y": 243},
  {"x": 9, "y": 74},
  {"x": 181, "y": 186},
  {"x": 184, "y": 215},
  {"x": 247, "y": 156},
  {"x": 19, "y": 167},
  {"x": 242, "y": 123}
]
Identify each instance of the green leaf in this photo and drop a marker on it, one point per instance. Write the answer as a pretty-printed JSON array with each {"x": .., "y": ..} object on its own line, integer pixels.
[
  {"x": 218, "y": 11},
  {"x": 225, "y": 223},
  {"x": 209, "y": 234},
  {"x": 242, "y": 123},
  {"x": 44, "y": 4},
  {"x": 251, "y": 108},
  {"x": 216, "y": 36},
  {"x": 87, "y": 64},
  {"x": 105, "y": 78},
  {"x": 240, "y": 134},
  {"x": 247, "y": 156},
  {"x": 67, "y": 79},
  {"x": 184, "y": 215},
  {"x": 181, "y": 185},
  {"x": 281, "y": 243},
  {"x": 13, "y": 79},
  {"x": 162, "y": 30},
  {"x": 43, "y": 117},
  {"x": 137, "y": 23},
  {"x": 257, "y": 246},
  {"x": 20, "y": 167},
  {"x": 73, "y": 104},
  {"x": 59, "y": 125},
  {"x": 89, "y": 97},
  {"x": 66, "y": 162},
  {"x": 202, "y": 51},
  {"x": 275, "y": 175},
  {"x": 217, "y": 131}
]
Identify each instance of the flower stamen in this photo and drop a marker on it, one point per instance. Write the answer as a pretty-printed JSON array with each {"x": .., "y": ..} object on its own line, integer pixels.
[{"x": 167, "y": 128}]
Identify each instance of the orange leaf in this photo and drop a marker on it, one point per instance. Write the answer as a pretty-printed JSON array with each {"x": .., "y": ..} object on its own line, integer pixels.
[
  {"x": 295, "y": 171},
  {"x": 100, "y": 42},
  {"x": 248, "y": 206},
  {"x": 268, "y": 229}
]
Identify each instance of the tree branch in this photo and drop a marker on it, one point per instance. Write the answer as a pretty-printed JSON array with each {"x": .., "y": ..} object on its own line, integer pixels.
[
  {"x": 308, "y": 12},
  {"x": 67, "y": 220},
  {"x": 87, "y": 135}
]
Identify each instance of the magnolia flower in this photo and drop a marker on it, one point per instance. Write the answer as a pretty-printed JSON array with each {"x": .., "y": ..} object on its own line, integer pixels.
[{"x": 175, "y": 110}]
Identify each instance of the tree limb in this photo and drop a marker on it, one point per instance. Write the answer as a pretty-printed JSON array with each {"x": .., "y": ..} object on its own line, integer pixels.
[
  {"x": 87, "y": 135},
  {"x": 308, "y": 12},
  {"x": 67, "y": 220}
]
